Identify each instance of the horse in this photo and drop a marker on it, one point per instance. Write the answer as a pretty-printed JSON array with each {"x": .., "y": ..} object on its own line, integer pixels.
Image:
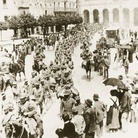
[
  {"x": 37, "y": 67},
  {"x": 16, "y": 130},
  {"x": 88, "y": 68},
  {"x": 6, "y": 80},
  {"x": 16, "y": 68},
  {"x": 50, "y": 41}
]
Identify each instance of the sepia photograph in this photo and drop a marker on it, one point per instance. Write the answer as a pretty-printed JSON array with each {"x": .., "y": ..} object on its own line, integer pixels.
[{"x": 68, "y": 69}]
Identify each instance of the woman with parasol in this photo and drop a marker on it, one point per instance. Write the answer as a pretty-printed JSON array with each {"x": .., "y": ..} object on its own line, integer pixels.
[{"x": 112, "y": 121}]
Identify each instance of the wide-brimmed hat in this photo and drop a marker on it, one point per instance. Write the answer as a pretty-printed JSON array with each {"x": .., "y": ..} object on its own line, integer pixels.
[
  {"x": 14, "y": 83},
  {"x": 23, "y": 97},
  {"x": 8, "y": 106},
  {"x": 3, "y": 94},
  {"x": 75, "y": 110},
  {"x": 126, "y": 88},
  {"x": 67, "y": 71},
  {"x": 67, "y": 92},
  {"x": 88, "y": 102},
  {"x": 77, "y": 98},
  {"x": 32, "y": 97},
  {"x": 36, "y": 83},
  {"x": 96, "y": 96}
]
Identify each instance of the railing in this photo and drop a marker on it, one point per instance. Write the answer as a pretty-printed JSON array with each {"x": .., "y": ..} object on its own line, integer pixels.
[{"x": 65, "y": 9}]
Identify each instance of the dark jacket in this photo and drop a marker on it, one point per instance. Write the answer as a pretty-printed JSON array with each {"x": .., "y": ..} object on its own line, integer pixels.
[
  {"x": 100, "y": 109},
  {"x": 125, "y": 103},
  {"x": 69, "y": 130},
  {"x": 90, "y": 120}
]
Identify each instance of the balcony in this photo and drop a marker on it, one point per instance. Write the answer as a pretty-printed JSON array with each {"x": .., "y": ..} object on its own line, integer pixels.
[{"x": 66, "y": 10}]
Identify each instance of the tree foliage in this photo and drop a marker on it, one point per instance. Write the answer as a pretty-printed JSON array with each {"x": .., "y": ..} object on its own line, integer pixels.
[
  {"x": 3, "y": 26},
  {"x": 14, "y": 22},
  {"x": 47, "y": 20},
  {"x": 27, "y": 21}
]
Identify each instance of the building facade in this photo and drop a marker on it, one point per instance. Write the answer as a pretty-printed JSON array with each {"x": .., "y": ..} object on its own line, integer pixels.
[
  {"x": 7, "y": 9},
  {"x": 64, "y": 7},
  {"x": 116, "y": 12}
]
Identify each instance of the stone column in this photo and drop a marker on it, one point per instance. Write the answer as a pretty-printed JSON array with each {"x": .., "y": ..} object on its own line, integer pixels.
[
  {"x": 131, "y": 18},
  {"x": 91, "y": 17},
  {"x": 121, "y": 17},
  {"x": 100, "y": 16},
  {"x": 49, "y": 29},
  {"x": 110, "y": 17},
  {"x": 54, "y": 29}
]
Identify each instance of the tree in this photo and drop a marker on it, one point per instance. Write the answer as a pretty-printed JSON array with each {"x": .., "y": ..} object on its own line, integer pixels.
[
  {"x": 14, "y": 23},
  {"x": 3, "y": 26},
  {"x": 27, "y": 21},
  {"x": 76, "y": 19},
  {"x": 63, "y": 20},
  {"x": 47, "y": 20}
]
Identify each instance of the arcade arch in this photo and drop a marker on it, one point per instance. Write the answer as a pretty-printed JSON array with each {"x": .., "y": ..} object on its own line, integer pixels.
[
  {"x": 95, "y": 16},
  {"x": 136, "y": 17},
  {"x": 115, "y": 15},
  {"x": 105, "y": 16},
  {"x": 126, "y": 17},
  {"x": 86, "y": 16}
]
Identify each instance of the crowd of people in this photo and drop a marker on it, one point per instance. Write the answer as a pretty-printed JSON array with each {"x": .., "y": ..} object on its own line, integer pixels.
[{"x": 25, "y": 103}]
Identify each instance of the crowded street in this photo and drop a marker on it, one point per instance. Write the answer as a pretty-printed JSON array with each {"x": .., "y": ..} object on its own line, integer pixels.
[
  {"x": 68, "y": 69},
  {"x": 86, "y": 88}
]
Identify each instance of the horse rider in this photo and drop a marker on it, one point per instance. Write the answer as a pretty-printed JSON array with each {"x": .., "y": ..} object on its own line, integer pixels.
[
  {"x": 86, "y": 55},
  {"x": 5, "y": 77},
  {"x": 30, "y": 116},
  {"x": 8, "y": 113}
]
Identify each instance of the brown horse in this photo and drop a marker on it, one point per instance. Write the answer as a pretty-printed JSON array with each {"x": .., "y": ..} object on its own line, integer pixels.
[
  {"x": 88, "y": 68},
  {"x": 16, "y": 68},
  {"x": 6, "y": 80}
]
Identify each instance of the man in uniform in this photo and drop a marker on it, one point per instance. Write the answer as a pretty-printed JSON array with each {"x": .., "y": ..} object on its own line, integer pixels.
[
  {"x": 86, "y": 55},
  {"x": 67, "y": 104},
  {"x": 28, "y": 110},
  {"x": 66, "y": 79},
  {"x": 38, "y": 93}
]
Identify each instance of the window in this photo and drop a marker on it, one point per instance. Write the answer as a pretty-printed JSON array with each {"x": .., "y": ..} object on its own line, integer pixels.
[
  {"x": 5, "y": 18},
  {"x": 58, "y": 4},
  {"x": 45, "y": 12},
  {"x": 54, "y": 5},
  {"x": 4, "y": 1}
]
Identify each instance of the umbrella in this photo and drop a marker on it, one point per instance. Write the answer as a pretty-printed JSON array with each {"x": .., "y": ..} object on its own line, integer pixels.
[
  {"x": 114, "y": 82},
  {"x": 125, "y": 47}
]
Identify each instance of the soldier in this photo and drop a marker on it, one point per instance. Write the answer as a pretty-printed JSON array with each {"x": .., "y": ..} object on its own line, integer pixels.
[
  {"x": 8, "y": 113},
  {"x": 66, "y": 79},
  {"x": 86, "y": 55},
  {"x": 38, "y": 93},
  {"x": 28, "y": 110},
  {"x": 67, "y": 104}
]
